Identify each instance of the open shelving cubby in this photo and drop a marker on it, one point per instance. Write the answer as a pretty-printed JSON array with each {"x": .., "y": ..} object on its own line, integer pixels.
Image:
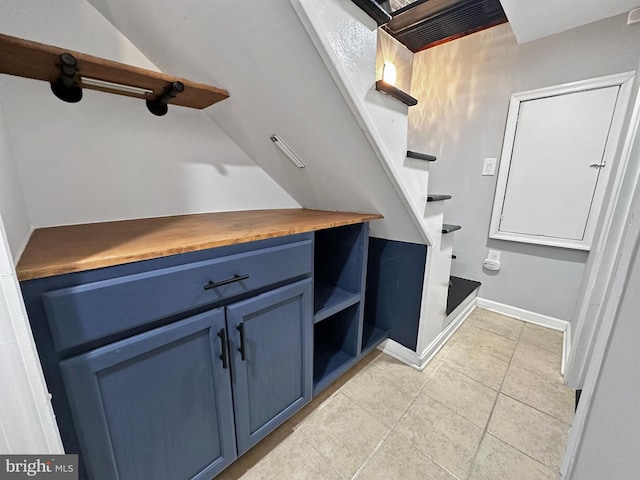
[
  {"x": 372, "y": 336},
  {"x": 335, "y": 346},
  {"x": 340, "y": 259}
]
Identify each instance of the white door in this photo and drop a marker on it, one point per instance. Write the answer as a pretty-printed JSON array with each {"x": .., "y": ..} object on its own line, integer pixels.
[
  {"x": 553, "y": 169},
  {"x": 551, "y": 180}
]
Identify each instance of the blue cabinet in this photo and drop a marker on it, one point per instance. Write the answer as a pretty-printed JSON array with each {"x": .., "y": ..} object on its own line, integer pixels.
[
  {"x": 272, "y": 352},
  {"x": 171, "y": 368},
  {"x": 157, "y": 405}
]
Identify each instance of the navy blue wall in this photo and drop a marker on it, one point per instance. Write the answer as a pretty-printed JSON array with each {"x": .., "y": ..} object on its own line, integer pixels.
[{"x": 395, "y": 274}]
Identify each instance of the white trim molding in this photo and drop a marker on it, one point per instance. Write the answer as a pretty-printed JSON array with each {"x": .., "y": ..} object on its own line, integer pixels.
[
  {"x": 27, "y": 420},
  {"x": 566, "y": 349},
  {"x": 307, "y": 11},
  {"x": 420, "y": 361},
  {"x": 524, "y": 315},
  {"x": 625, "y": 83}
]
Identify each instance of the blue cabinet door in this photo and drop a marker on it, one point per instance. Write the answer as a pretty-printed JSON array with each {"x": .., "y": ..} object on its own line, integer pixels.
[
  {"x": 157, "y": 405},
  {"x": 270, "y": 336}
]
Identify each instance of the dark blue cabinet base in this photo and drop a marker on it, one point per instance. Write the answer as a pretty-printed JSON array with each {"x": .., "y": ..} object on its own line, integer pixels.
[
  {"x": 155, "y": 406},
  {"x": 155, "y": 376}
]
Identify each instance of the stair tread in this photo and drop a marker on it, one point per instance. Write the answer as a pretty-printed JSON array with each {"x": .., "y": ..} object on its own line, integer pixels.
[
  {"x": 459, "y": 289},
  {"x": 421, "y": 156},
  {"x": 436, "y": 197},
  {"x": 448, "y": 228}
]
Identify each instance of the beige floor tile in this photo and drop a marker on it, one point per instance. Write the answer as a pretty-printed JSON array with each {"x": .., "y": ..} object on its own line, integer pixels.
[
  {"x": 398, "y": 459},
  {"x": 477, "y": 364},
  {"x": 546, "y": 392},
  {"x": 484, "y": 341},
  {"x": 405, "y": 378},
  {"x": 443, "y": 352},
  {"x": 331, "y": 390},
  {"x": 543, "y": 337},
  {"x": 535, "y": 433},
  {"x": 372, "y": 356},
  {"x": 494, "y": 322},
  {"x": 375, "y": 390},
  {"x": 344, "y": 433},
  {"x": 498, "y": 461},
  {"x": 465, "y": 396},
  {"x": 258, "y": 453},
  {"x": 432, "y": 367},
  {"x": 446, "y": 437},
  {"x": 293, "y": 459},
  {"x": 537, "y": 358}
]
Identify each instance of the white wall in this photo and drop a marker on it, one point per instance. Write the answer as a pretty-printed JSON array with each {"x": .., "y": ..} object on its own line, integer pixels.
[
  {"x": 107, "y": 157},
  {"x": 463, "y": 88},
  {"x": 354, "y": 52},
  {"x": 13, "y": 208},
  {"x": 261, "y": 53}
]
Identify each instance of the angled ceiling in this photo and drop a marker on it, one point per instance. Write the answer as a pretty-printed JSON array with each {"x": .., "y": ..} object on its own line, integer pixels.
[
  {"x": 278, "y": 84},
  {"x": 531, "y": 20}
]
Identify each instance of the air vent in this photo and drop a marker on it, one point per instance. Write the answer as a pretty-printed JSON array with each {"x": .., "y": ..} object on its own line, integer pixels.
[
  {"x": 426, "y": 23},
  {"x": 454, "y": 20}
]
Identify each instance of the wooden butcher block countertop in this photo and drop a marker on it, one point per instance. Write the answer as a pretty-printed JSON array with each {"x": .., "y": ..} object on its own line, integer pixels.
[{"x": 75, "y": 248}]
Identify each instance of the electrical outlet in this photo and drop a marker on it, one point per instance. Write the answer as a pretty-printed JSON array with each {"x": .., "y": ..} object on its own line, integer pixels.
[
  {"x": 489, "y": 166},
  {"x": 494, "y": 255},
  {"x": 493, "y": 265}
]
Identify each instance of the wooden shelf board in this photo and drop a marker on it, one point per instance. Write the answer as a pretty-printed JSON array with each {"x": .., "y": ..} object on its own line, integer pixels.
[
  {"x": 75, "y": 248},
  {"x": 38, "y": 61}
]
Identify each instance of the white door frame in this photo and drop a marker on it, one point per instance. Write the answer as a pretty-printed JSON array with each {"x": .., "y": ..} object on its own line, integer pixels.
[
  {"x": 27, "y": 421},
  {"x": 597, "y": 285},
  {"x": 601, "y": 340},
  {"x": 606, "y": 280},
  {"x": 625, "y": 82}
]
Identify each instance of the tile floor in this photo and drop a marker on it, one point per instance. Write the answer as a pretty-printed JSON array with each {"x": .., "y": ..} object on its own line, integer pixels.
[{"x": 490, "y": 405}]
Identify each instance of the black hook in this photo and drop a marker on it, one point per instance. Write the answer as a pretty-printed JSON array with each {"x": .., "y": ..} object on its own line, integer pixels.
[
  {"x": 159, "y": 106},
  {"x": 66, "y": 88}
]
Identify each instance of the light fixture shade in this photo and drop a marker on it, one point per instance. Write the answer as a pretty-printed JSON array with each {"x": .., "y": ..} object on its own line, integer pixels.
[{"x": 389, "y": 73}]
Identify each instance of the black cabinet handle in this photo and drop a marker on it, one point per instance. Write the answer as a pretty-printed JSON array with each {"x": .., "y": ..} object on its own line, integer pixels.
[
  {"x": 242, "y": 346},
  {"x": 235, "y": 278},
  {"x": 223, "y": 343}
]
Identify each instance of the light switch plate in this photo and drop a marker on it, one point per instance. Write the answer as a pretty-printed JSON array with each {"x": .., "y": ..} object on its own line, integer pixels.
[
  {"x": 489, "y": 166},
  {"x": 494, "y": 255}
]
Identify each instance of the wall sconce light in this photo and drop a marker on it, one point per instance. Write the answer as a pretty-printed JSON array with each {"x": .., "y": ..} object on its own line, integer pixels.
[
  {"x": 387, "y": 85},
  {"x": 287, "y": 151},
  {"x": 389, "y": 73}
]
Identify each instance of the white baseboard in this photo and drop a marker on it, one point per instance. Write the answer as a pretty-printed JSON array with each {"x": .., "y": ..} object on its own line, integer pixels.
[
  {"x": 435, "y": 346},
  {"x": 566, "y": 349},
  {"x": 420, "y": 361},
  {"x": 401, "y": 353},
  {"x": 524, "y": 315}
]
